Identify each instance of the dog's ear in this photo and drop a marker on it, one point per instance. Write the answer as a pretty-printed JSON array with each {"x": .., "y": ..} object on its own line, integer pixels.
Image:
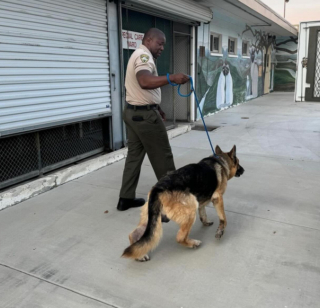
[
  {"x": 218, "y": 150},
  {"x": 233, "y": 152}
]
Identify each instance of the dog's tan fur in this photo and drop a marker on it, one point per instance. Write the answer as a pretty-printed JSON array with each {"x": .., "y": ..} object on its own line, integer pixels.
[{"x": 181, "y": 207}]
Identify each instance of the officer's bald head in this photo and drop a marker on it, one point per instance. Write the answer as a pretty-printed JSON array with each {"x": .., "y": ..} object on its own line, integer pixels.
[
  {"x": 152, "y": 34},
  {"x": 154, "y": 39}
]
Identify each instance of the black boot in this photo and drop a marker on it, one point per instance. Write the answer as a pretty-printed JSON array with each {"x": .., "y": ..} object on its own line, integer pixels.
[{"x": 125, "y": 204}]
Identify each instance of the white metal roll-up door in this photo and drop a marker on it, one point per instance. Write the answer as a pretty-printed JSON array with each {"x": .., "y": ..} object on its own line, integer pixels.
[{"x": 54, "y": 64}]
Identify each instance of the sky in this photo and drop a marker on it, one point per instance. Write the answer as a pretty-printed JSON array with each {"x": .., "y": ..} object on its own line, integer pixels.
[{"x": 297, "y": 10}]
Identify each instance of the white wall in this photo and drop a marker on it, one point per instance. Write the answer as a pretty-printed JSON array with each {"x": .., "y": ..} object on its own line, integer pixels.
[{"x": 229, "y": 27}]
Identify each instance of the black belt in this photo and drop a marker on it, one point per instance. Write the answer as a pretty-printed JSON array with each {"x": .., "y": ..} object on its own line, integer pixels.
[{"x": 144, "y": 107}]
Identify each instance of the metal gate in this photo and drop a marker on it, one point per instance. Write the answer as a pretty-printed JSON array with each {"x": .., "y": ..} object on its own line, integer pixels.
[
  {"x": 313, "y": 69},
  {"x": 32, "y": 154},
  {"x": 55, "y": 105}
]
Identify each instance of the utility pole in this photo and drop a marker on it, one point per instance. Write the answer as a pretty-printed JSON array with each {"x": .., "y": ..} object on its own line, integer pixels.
[{"x": 284, "y": 14}]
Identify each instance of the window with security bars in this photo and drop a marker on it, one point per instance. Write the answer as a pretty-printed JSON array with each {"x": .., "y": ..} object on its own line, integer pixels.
[{"x": 215, "y": 43}]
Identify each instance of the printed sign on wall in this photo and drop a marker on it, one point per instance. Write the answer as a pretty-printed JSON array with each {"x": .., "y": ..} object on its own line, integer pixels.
[{"x": 131, "y": 40}]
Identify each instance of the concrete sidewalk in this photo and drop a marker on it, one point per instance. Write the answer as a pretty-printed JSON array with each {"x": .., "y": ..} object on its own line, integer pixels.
[{"x": 59, "y": 249}]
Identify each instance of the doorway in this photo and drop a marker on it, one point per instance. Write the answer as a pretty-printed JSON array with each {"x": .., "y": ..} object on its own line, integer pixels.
[
  {"x": 174, "y": 59},
  {"x": 181, "y": 64}
]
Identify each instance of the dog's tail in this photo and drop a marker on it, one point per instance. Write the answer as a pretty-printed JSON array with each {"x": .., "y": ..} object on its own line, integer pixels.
[{"x": 152, "y": 235}]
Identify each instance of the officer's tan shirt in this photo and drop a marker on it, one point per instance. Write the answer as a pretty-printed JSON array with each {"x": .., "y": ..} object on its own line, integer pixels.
[{"x": 141, "y": 59}]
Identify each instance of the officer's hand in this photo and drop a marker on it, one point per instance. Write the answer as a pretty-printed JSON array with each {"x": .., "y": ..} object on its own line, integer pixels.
[{"x": 179, "y": 78}]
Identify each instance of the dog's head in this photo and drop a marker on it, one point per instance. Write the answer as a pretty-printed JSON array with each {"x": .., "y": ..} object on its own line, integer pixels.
[{"x": 233, "y": 161}]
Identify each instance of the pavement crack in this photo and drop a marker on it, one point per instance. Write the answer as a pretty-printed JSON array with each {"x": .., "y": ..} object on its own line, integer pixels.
[{"x": 59, "y": 285}]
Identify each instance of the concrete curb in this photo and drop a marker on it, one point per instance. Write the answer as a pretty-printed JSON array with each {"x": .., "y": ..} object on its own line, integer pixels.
[{"x": 31, "y": 189}]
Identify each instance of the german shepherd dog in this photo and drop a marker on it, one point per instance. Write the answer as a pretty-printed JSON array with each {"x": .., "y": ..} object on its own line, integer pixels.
[{"x": 178, "y": 195}]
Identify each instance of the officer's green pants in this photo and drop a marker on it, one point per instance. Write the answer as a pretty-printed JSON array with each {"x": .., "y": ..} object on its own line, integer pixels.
[{"x": 146, "y": 134}]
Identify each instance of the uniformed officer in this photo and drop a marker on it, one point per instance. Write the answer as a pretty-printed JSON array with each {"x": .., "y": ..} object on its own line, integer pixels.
[{"x": 144, "y": 117}]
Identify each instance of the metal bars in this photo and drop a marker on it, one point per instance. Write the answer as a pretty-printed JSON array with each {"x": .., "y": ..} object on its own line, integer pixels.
[
  {"x": 25, "y": 156},
  {"x": 317, "y": 69}
]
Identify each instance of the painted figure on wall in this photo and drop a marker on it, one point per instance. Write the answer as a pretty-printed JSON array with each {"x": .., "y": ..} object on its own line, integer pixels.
[
  {"x": 254, "y": 71},
  {"x": 248, "y": 87},
  {"x": 225, "y": 88}
]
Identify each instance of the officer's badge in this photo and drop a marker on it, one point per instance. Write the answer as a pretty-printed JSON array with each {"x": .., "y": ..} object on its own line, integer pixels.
[{"x": 144, "y": 58}]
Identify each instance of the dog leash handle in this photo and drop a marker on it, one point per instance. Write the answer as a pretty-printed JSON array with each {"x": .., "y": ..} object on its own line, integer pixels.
[{"x": 179, "y": 85}]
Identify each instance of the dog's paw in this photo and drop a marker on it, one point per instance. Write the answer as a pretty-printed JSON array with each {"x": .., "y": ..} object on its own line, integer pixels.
[
  {"x": 207, "y": 223},
  {"x": 196, "y": 243},
  {"x": 219, "y": 234},
  {"x": 144, "y": 258}
]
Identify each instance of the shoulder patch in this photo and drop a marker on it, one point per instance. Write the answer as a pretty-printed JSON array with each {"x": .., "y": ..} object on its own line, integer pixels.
[{"x": 144, "y": 58}]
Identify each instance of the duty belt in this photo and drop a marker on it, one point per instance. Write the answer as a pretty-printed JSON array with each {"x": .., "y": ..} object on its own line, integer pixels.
[{"x": 144, "y": 107}]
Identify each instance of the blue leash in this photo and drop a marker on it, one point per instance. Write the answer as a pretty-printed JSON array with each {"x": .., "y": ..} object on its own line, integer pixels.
[{"x": 196, "y": 98}]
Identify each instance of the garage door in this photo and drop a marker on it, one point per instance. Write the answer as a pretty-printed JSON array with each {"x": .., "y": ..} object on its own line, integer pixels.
[{"x": 54, "y": 64}]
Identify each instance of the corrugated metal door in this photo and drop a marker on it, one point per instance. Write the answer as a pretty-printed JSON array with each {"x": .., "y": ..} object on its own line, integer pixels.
[{"x": 54, "y": 65}]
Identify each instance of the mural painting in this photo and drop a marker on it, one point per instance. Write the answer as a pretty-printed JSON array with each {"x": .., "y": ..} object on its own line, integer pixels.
[
  {"x": 286, "y": 62},
  {"x": 229, "y": 80}
]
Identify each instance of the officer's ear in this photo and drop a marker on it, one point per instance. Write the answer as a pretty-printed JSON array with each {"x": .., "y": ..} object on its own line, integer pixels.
[{"x": 149, "y": 39}]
